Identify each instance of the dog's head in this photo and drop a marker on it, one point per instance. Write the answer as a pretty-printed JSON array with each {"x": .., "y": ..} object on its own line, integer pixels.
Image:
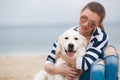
[{"x": 70, "y": 43}]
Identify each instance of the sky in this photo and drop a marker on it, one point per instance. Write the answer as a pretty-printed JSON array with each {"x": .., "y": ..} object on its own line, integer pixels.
[{"x": 15, "y": 12}]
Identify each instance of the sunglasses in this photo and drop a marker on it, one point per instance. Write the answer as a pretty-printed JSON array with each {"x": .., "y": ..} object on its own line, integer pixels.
[{"x": 84, "y": 19}]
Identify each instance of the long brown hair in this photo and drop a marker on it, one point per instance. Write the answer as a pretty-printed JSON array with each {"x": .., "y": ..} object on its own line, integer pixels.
[{"x": 97, "y": 8}]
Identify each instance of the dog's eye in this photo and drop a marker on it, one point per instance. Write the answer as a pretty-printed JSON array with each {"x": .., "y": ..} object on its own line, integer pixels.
[
  {"x": 76, "y": 38},
  {"x": 66, "y": 38}
]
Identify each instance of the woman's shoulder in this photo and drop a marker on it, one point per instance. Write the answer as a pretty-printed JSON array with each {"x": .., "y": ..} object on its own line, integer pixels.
[
  {"x": 100, "y": 34},
  {"x": 74, "y": 28}
]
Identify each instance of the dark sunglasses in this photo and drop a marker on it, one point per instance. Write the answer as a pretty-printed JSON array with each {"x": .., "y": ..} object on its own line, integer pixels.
[{"x": 84, "y": 19}]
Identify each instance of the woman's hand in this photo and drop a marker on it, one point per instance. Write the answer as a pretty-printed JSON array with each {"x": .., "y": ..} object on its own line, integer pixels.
[{"x": 66, "y": 70}]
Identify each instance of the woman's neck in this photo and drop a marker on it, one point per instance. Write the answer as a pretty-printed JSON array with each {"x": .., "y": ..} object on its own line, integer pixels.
[{"x": 88, "y": 35}]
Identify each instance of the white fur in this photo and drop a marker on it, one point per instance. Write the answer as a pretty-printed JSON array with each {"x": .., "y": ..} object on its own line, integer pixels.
[{"x": 68, "y": 37}]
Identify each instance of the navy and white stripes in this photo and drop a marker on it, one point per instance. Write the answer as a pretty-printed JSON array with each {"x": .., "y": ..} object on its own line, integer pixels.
[
  {"x": 94, "y": 50},
  {"x": 51, "y": 56}
]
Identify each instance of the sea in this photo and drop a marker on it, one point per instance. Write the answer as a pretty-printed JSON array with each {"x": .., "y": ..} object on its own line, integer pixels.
[{"x": 38, "y": 39}]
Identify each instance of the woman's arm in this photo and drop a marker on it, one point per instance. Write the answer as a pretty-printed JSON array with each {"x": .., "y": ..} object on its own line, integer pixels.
[
  {"x": 51, "y": 69},
  {"x": 64, "y": 69},
  {"x": 94, "y": 50}
]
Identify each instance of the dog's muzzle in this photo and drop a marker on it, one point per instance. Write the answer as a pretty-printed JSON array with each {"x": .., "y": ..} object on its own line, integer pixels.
[{"x": 70, "y": 50}]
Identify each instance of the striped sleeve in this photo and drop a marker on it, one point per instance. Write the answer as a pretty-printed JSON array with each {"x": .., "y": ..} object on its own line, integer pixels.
[
  {"x": 94, "y": 50},
  {"x": 51, "y": 56}
]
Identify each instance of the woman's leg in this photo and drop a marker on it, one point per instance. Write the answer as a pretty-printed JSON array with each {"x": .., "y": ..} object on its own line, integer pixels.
[
  {"x": 103, "y": 70},
  {"x": 85, "y": 75},
  {"x": 97, "y": 70},
  {"x": 111, "y": 63}
]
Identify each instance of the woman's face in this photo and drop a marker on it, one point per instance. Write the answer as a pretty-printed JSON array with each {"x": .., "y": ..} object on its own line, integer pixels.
[{"x": 88, "y": 21}]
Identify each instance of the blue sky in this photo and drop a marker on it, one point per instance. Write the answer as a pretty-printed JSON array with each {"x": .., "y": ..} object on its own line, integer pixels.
[{"x": 51, "y": 11}]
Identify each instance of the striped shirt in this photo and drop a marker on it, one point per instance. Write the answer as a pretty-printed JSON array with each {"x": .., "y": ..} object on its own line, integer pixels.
[{"x": 94, "y": 49}]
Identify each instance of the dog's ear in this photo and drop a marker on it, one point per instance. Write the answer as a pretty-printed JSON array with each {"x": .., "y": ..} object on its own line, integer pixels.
[
  {"x": 58, "y": 46},
  {"x": 84, "y": 42},
  {"x": 58, "y": 49}
]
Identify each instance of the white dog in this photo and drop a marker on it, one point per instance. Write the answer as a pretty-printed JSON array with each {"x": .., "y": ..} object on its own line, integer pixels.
[{"x": 70, "y": 43}]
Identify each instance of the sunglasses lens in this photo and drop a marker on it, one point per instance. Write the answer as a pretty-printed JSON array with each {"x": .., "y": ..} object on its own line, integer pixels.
[
  {"x": 84, "y": 19},
  {"x": 91, "y": 24}
]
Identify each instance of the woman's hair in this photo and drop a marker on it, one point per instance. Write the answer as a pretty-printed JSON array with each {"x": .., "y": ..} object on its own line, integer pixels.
[{"x": 96, "y": 8}]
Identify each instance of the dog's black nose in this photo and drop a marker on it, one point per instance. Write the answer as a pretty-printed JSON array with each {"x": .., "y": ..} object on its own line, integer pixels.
[{"x": 71, "y": 46}]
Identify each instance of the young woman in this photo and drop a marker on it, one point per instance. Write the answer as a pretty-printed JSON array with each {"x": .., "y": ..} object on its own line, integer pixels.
[{"x": 100, "y": 62}]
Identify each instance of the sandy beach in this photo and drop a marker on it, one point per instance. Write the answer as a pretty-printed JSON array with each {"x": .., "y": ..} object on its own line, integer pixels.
[{"x": 20, "y": 67}]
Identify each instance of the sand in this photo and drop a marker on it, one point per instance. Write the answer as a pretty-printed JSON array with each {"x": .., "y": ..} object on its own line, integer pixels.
[{"x": 20, "y": 67}]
